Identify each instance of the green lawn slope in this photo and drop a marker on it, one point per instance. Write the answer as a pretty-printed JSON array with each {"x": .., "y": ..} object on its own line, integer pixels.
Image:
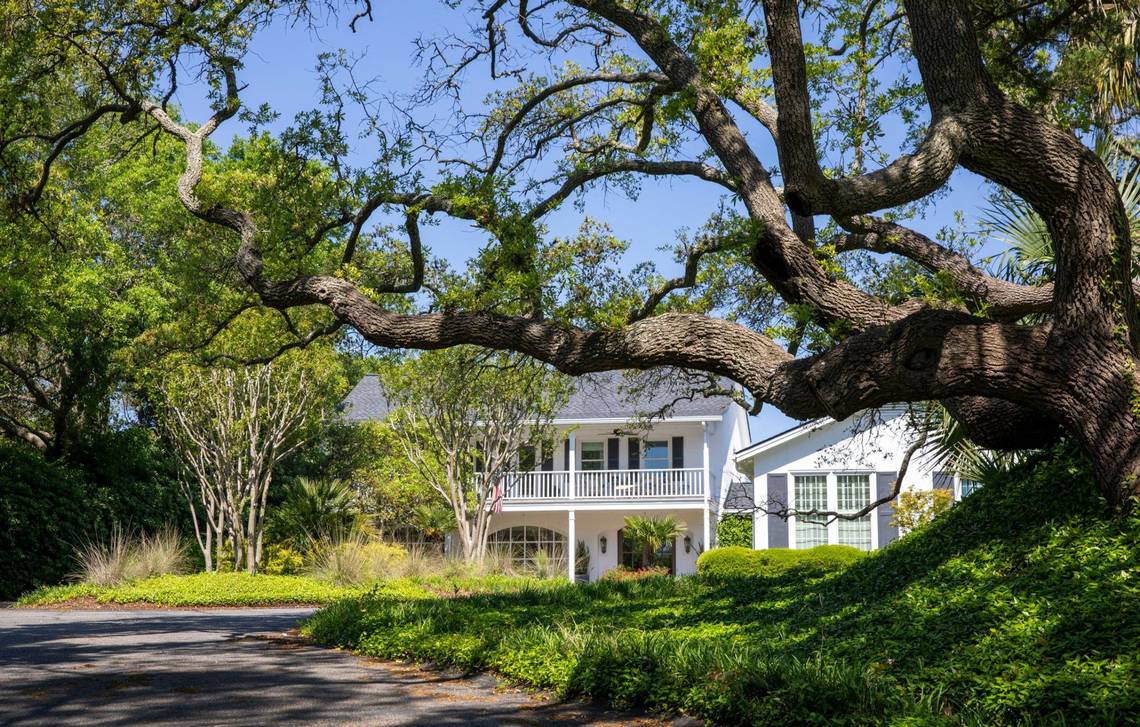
[{"x": 1020, "y": 606}]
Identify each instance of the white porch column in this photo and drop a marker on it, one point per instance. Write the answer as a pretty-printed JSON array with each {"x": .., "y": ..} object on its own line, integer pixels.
[
  {"x": 572, "y": 454},
  {"x": 706, "y": 543},
  {"x": 572, "y": 545}
]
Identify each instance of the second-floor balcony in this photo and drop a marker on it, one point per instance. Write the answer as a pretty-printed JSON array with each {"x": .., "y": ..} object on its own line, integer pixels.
[{"x": 604, "y": 484}]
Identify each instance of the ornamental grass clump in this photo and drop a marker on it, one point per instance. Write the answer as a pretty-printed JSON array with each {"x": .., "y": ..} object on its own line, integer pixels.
[
  {"x": 355, "y": 560},
  {"x": 124, "y": 557}
]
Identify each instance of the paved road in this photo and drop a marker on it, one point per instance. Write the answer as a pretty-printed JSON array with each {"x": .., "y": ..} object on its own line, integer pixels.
[{"x": 232, "y": 667}]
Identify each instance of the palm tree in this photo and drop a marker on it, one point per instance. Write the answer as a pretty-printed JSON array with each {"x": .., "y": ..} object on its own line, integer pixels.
[
  {"x": 949, "y": 449},
  {"x": 315, "y": 509},
  {"x": 652, "y": 533},
  {"x": 1029, "y": 254}
]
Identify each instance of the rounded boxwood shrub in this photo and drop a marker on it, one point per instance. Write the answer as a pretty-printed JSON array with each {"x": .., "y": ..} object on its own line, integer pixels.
[{"x": 736, "y": 561}]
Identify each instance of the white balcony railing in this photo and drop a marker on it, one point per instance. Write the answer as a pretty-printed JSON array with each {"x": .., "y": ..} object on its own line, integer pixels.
[
  {"x": 605, "y": 484},
  {"x": 537, "y": 485}
]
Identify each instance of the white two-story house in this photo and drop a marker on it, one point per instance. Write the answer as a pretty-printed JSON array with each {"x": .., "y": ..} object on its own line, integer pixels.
[{"x": 605, "y": 466}]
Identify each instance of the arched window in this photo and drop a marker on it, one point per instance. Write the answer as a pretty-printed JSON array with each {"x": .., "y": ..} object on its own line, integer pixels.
[{"x": 523, "y": 541}]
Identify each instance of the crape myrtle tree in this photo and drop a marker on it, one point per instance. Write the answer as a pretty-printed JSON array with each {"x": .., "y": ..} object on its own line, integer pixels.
[
  {"x": 230, "y": 427},
  {"x": 462, "y": 418},
  {"x": 595, "y": 92}
]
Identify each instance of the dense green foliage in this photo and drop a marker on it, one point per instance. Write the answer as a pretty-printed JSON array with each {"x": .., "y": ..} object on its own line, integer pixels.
[
  {"x": 39, "y": 517},
  {"x": 1020, "y": 605},
  {"x": 734, "y": 530},
  {"x": 48, "y": 509},
  {"x": 389, "y": 490},
  {"x": 735, "y": 561},
  {"x": 131, "y": 482},
  {"x": 312, "y": 509}
]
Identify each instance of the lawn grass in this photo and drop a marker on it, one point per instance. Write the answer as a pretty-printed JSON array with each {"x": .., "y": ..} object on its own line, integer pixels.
[{"x": 1020, "y": 606}]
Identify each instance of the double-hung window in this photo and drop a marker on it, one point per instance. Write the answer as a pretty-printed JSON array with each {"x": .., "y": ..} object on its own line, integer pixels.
[
  {"x": 810, "y": 494},
  {"x": 853, "y": 493},
  {"x": 593, "y": 456},
  {"x": 846, "y": 493},
  {"x": 655, "y": 455}
]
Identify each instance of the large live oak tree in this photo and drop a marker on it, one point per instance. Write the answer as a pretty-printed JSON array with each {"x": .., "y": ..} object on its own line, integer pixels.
[{"x": 1017, "y": 364}]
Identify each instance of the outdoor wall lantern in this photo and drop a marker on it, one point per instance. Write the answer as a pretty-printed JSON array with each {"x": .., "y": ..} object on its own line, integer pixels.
[
  {"x": 602, "y": 543},
  {"x": 688, "y": 544}
]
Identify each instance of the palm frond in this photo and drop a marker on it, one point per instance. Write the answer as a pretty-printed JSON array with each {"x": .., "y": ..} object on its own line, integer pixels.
[{"x": 1029, "y": 256}]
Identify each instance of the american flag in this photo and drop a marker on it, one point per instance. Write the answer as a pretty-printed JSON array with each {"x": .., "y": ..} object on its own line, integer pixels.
[{"x": 497, "y": 502}]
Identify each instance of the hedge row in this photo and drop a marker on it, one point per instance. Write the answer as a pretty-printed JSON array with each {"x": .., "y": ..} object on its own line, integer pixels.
[{"x": 737, "y": 561}]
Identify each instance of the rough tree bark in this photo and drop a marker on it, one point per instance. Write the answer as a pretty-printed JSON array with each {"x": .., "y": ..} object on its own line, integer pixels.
[{"x": 1075, "y": 372}]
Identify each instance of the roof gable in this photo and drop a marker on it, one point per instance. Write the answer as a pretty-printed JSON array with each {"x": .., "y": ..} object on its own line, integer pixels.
[{"x": 790, "y": 436}]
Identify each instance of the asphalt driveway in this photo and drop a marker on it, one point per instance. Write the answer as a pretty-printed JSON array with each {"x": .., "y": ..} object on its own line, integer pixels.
[{"x": 233, "y": 667}]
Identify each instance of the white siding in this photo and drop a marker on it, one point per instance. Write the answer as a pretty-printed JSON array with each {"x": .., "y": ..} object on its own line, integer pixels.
[{"x": 837, "y": 447}]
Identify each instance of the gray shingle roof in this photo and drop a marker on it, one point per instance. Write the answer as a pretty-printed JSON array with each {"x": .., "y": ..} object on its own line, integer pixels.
[{"x": 597, "y": 396}]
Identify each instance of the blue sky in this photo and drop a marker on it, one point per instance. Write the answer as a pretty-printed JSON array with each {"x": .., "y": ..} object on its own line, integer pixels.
[{"x": 280, "y": 71}]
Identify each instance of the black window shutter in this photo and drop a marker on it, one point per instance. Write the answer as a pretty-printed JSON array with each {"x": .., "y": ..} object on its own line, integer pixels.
[
  {"x": 613, "y": 446},
  {"x": 528, "y": 457},
  {"x": 678, "y": 453},
  {"x": 478, "y": 458},
  {"x": 566, "y": 454},
  {"x": 548, "y": 457},
  {"x": 634, "y": 453}
]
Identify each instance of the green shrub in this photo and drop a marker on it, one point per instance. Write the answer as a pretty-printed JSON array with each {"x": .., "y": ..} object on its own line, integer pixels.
[
  {"x": 734, "y": 529},
  {"x": 915, "y": 509},
  {"x": 41, "y": 520},
  {"x": 313, "y": 510},
  {"x": 355, "y": 560},
  {"x": 121, "y": 479},
  {"x": 130, "y": 481},
  {"x": 281, "y": 560},
  {"x": 736, "y": 561}
]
